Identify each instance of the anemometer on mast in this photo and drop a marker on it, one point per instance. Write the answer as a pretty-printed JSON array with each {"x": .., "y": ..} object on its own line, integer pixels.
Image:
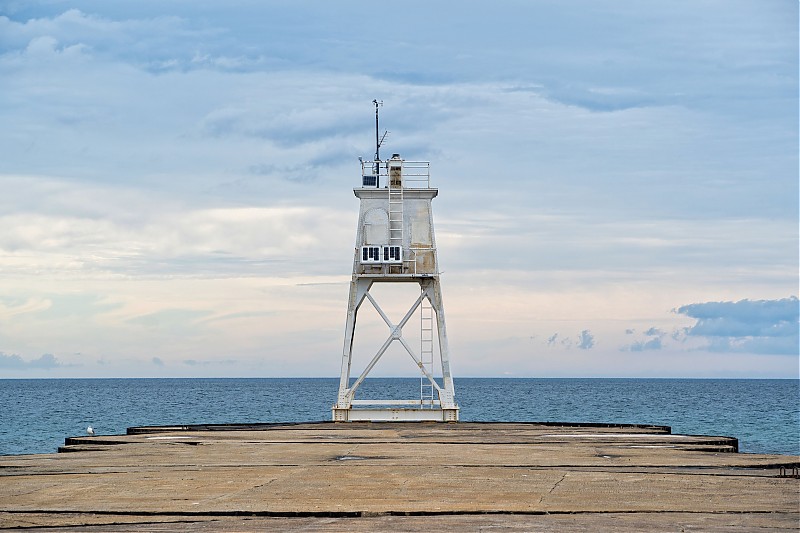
[{"x": 378, "y": 137}]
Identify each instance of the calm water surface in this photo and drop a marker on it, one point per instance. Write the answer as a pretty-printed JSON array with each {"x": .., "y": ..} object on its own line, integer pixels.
[{"x": 36, "y": 415}]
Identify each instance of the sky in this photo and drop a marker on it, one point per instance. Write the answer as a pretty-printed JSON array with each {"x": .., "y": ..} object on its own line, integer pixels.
[{"x": 618, "y": 184}]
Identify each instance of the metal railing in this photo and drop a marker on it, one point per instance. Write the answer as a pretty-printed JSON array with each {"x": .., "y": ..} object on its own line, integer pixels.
[{"x": 416, "y": 174}]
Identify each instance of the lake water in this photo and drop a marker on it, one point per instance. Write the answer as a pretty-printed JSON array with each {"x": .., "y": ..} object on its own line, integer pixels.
[{"x": 36, "y": 415}]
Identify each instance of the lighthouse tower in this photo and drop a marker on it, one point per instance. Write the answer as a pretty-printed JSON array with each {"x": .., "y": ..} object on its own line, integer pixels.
[{"x": 395, "y": 244}]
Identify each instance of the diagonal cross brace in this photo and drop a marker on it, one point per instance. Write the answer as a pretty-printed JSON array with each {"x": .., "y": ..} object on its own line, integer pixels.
[
  {"x": 396, "y": 334},
  {"x": 419, "y": 364}
]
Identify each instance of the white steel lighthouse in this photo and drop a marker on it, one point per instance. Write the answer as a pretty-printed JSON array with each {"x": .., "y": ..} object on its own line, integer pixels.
[{"x": 395, "y": 244}]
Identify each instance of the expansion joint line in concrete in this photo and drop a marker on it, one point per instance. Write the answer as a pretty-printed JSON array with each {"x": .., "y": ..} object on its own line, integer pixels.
[
  {"x": 761, "y": 471},
  {"x": 358, "y": 514}
]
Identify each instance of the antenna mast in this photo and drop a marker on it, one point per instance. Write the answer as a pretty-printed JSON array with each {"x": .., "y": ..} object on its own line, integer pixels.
[{"x": 378, "y": 139}]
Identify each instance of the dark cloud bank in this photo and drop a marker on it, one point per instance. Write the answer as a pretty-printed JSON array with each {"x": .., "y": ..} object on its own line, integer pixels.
[
  {"x": 15, "y": 362},
  {"x": 749, "y": 326}
]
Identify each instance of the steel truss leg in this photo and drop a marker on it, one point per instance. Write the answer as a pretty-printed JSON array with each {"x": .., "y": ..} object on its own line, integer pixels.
[
  {"x": 358, "y": 290},
  {"x": 448, "y": 401}
]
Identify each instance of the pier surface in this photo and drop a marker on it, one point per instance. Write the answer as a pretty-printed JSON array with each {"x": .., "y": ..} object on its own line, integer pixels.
[{"x": 400, "y": 476}]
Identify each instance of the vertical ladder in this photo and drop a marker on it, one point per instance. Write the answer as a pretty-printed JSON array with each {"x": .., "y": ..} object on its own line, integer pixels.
[
  {"x": 426, "y": 391},
  {"x": 396, "y": 216}
]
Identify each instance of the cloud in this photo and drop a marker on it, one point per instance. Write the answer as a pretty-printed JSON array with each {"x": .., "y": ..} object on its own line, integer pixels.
[
  {"x": 15, "y": 362},
  {"x": 756, "y": 345},
  {"x": 286, "y": 128},
  {"x": 751, "y": 326},
  {"x": 647, "y": 344},
  {"x": 157, "y": 43},
  {"x": 194, "y": 156},
  {"x": 761, "y": 318},
  {"x": 641, "y": 346},
  {"x": 258, "y": 314},
  {"x": 196, "y": 362},
  {"x": 81, "y": 230},
  {"x": 585, "y": 340},
  {"x": 157, "y": 361},
  {"x": 170, "y": 319},
  {"x": 14, "y": 307}
]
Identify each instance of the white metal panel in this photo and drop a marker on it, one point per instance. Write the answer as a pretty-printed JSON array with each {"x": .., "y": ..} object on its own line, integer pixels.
[
  {"x": 419, "y": 224},
  {"x": 376, "y": 226}
]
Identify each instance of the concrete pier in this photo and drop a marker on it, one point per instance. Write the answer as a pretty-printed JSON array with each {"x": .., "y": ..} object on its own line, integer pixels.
[{"x": 400, "y": 476}]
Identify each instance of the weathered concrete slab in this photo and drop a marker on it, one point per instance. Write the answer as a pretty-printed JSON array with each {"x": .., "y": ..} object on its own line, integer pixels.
[
  {"x": 618, "y": 522},
  {"x": 362, "y": 476}
]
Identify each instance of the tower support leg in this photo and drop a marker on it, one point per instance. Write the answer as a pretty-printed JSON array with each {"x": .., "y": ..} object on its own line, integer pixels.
[
  {"x": 359, "y": 288},
  {"x": 447, "y": 395}
]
